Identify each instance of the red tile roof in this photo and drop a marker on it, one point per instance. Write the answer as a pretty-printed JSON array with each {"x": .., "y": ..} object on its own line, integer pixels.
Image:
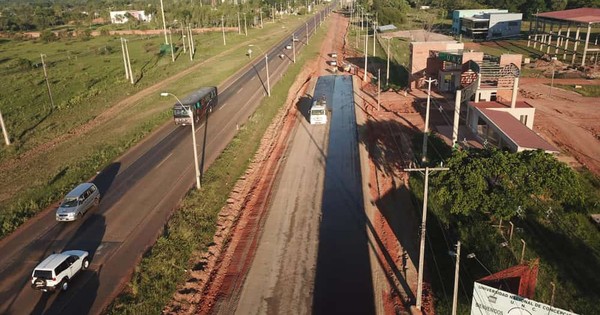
[
  {"x": 581, "y": 15},
  {"x": 516, "y": 131},
  {"x": 497, "y": 104}
]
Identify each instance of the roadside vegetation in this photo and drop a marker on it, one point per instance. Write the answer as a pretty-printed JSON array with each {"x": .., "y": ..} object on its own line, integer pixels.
[
  {"x": 482, "y": 194},
  {"x": 584, "y": 90},
  {"x": 90, "y": 91},
  {"x": 191, "y": 228}
]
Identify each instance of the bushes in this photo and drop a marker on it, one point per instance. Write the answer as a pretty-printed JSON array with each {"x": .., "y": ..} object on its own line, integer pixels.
[{"x": 48, "y": 36}]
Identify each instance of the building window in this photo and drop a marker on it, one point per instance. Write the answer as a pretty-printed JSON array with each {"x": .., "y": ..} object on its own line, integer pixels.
[{"x": 523, "y": 119}]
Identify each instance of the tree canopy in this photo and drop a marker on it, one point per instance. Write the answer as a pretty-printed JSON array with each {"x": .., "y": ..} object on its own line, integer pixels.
[{"x": 497, "y": 183}]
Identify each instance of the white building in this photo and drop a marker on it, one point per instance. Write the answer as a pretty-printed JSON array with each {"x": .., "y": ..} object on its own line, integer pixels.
[{"x": 120, "y": 17}]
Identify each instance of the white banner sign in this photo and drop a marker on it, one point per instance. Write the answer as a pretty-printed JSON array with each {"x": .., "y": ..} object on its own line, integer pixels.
[{"x": 492, "y": 301}]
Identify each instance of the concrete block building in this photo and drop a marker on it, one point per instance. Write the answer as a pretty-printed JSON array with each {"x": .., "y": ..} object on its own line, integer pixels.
[{"x": 486, "y": 24}]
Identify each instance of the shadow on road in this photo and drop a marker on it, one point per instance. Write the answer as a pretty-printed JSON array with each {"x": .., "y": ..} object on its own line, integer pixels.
[
  {"x": 343, "y": 281},
  {"x": 303, "y": 106}
]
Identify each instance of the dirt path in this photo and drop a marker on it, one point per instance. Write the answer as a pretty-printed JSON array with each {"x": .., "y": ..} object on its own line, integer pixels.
[{"x": 567, "y": 120}]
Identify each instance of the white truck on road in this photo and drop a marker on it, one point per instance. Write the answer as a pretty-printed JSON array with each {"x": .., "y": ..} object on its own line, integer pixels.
[{"x": 318, "y": 112}]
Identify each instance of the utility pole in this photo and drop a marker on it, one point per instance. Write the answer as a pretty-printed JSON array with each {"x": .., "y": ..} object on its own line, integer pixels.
[
  {"x": 192, "y": 45},
  {"x": 366, "y": 42},
  {"x": 171, "y": 40},
  {"x": 523, "y": 250},
  {"x": 261, "y": 23},
  {"x": 162, "y": 9},
  {"x": 191, "y": 49},
  {"x": 456, "y": 274},
  {"x": 426, "y": 128},
  {"x": 294, "y": 47},
  {"x": 387, "y": 68},
  {"x": 378, "y": 88},
  {"x": 239, "y": 24},
  {"x": 4, "y": 132},
  {"x": 306, "y": 33},
  {"x": 47, "y": 82},
  {"x": 245, "y": 25},
  {"x": 223, "y": 29},
  {"x": 423, "y": 228},
  {"x": 183, "y": 39},
  {"x": 125, "y": 58},
  {"x": 374, "y": 40},
  {"x": 128, "y": 61}
]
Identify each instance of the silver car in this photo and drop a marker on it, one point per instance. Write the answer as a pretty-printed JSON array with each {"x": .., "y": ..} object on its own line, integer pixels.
[{"x": 78, "y": 202}]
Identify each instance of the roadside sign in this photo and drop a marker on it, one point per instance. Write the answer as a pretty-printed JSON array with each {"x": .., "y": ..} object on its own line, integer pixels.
[{"x": 488, "y": 300}]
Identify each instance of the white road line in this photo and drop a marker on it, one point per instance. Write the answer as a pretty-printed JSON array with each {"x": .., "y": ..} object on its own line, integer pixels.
[
  {"x": 222, "y": 106},
  {"x": 238, "y": 91},
  {"x": 161, "y": 162}
]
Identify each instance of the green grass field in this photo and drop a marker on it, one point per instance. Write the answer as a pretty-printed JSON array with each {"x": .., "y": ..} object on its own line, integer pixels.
[
  {"x": 87, "y": 79},
  {"x": 585, "y": 90}
]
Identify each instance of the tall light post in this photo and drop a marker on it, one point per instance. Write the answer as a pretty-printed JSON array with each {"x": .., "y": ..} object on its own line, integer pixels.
[
  {"x": 189, "y": 112},
  {"x": 423, "y": 228},
  {"x": 266, "y": 67}
]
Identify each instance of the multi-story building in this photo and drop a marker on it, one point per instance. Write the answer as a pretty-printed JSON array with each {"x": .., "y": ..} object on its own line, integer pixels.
[{"x": 486, "y": 24}]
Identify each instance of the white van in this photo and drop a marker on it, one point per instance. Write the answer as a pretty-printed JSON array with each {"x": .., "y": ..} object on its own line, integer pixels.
[
  {"x": 318, "y": 112},
  {"x": 78, "y": 202}
]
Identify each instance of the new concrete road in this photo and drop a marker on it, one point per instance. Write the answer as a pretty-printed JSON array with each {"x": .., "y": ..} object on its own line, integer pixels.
[
  {"x": 139, "y": 191},
  {"x": 313, "y": 254}
]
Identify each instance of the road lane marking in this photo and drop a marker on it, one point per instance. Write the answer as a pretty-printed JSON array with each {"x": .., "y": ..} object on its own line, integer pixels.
[
  {"x": 165, "y": 159},
  {"x": 223, "y": 106}
]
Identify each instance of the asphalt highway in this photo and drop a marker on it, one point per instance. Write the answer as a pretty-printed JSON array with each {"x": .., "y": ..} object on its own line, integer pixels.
[{"x": 139, "y": 192}]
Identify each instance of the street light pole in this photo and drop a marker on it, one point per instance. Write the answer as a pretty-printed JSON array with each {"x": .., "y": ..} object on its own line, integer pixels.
[
  {"x": 266, "y": 67},
  {"x": 423, "y": 228},
  {"x": 366, "y": 47},
  {"x": 189, "y": 112},
  {"x": 426, "y": 128},
  {"x": 268, "y": 81}
]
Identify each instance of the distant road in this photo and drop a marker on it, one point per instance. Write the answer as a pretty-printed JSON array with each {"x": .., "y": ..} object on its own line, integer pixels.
[{"x": 140, "y": 189}]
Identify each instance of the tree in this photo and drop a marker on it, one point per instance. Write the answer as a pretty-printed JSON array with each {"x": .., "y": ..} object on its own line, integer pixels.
[{"x": 497, "y": 183}]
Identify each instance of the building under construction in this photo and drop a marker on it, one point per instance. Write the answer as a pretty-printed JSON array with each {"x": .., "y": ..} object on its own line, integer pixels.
[{"x": 568, "y": 35}]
